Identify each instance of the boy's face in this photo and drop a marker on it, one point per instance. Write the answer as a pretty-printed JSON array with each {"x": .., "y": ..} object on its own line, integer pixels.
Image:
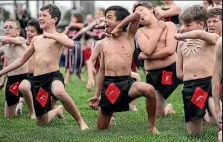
[
  {"x": 110, "y": 21},
  {"x": 147, "y": 13},
  {"x": 99, "y": 14},
  {"x": 45, "y": 19},
  {"x": 214, "y": 24},
  {"x": 31, "y": 32},
  {"x": 190, "y": 26},
  {"x": 10, "y": 29}
]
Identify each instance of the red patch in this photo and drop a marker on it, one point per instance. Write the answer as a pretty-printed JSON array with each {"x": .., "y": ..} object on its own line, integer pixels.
[
  {"x": 221, "y": 90},
  {"x": 166, "y": 78},
  {"x": 42, "y": 97},
  {"x": 199, "y": 97},
  {"x": 14, "y": 88},
  {"x": 112, "y": 93}
]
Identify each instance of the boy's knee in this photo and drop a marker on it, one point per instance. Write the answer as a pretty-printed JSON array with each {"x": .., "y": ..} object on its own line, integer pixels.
[
  {"x": 102, "y": 127},
  {"x": 150, "y": 92},
  {"x": 59, "y": 93},
  {"x": 24, "y": 87}
]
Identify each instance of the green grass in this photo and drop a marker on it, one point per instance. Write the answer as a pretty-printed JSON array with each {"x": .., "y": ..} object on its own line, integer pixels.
[{"x": 131, "y": 126}]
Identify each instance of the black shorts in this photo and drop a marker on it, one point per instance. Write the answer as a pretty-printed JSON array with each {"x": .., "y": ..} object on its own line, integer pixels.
[
  {"x": 195, "y": 98},
  {"x": 42, "y": 91},
  {"x": 164, "y": 80},
  {"x": 12, "y": 93},
  {"x": 114, "y": 94}
]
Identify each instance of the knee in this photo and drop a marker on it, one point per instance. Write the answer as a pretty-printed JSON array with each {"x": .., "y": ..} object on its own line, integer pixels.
[
  {"x": 150, "y": 92},
  {"x": 59, "y": 94},
  {"x": 24, "y": 87},
  {"x": 102, "y": 127},
  {"x": 40, "y": 121}
]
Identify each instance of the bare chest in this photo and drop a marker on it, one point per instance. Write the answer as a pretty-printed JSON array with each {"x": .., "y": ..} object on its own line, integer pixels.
[
  {"x": 12, "y": 52},
  {"x": 197, "y": 49},
  {"x": 120, "y": 48},
  {"x": 47, "y": 46}
]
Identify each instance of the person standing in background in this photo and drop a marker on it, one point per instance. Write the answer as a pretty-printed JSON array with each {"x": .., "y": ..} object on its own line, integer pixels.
[
  {"x": 169, "y": 12},
  {"x": 74, "y": 56}
]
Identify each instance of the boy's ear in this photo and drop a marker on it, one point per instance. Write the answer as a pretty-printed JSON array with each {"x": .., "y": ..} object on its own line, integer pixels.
[{"x": 202, "y": 23}]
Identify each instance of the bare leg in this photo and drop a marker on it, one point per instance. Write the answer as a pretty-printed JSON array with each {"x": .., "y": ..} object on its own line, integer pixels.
[
  {"x": 67, "y": 77},
  {"x": 211, "y": 107},
  {"x": 48, "y": 117},
  {"x": 161, "y": 110},
  {"x": 54, "y": 106},
  {"x": 139, "y": 89},
  {"x": 10, "y": 111},
  {"x": 60, "y": 93},
  {"x": 194, "y": 127},
  {"x": 80, "y": 77},
  {"x": 25, "y": 89},
  {"x": 103, "y": 121},
  {"x": 220, "y": 136},
  {"x": 134, "y": 102}
]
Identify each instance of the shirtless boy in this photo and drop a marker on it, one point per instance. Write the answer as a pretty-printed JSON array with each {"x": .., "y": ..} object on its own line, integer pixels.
[
  {"x": 48, "y": 81},
  {"x": 195, "y": 45},
  {"x": 216, "y": 84},
  {"x": 16, "y": 85},
  {"x": 214, "y": 23},
  {"x": 158, "y": 51},
  {"x": 118, "y": 89}
]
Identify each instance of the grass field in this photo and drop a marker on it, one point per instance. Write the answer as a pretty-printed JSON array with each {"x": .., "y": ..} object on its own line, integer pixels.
[{"x": 131, "y": 126}]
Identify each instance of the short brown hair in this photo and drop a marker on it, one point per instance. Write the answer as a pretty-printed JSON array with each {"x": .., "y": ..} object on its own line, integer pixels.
[
  {"x": 195, "y": 13},
  {"x": 53, "y": 10},
  {"x": 147, "y": 5},
  {"x": 15, "y": 21},
  {"x": 215, "y": 12}
]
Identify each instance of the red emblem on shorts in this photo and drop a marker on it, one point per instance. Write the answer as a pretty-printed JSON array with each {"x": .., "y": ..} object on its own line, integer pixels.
[
  {"x": 166, "y": 78},
  {"x": 14, "y": 88},
  {"x": 42, "y": 97},
  {"x": 199, "y": 97},
  {"x": 112, "y": 93}
]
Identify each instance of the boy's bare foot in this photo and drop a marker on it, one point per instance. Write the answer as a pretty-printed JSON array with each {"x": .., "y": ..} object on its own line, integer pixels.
[
  {"x": 60, "y": 115},
  {"x": 169, "y": 109},
  {"x": 83, "y": 126},
  {"x": 33, "y": 116},
  {"x": 153, "y": 130},
  {"x": 112, "y": 121},
  {"x": 19, "y": 109},
  {"x": 133, "y": 108}
]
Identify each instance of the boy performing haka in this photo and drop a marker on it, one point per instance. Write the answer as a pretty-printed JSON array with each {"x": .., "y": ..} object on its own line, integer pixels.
[
  {"x": 195, "y": 65},
  {"x": 214, "y": 25},
  {"x": 118, "y": 89},
  {"x": 16, "y": 85},
  {"x": 159, "y": 53},
  {"x": 48, "y": 81},
  {"x": 216, "y": 84}
]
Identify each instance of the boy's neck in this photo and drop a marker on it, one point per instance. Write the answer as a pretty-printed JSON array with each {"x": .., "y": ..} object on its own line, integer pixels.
[
  {"x": 50, "y": 29},
  {"x": 153, "y": 23}
]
